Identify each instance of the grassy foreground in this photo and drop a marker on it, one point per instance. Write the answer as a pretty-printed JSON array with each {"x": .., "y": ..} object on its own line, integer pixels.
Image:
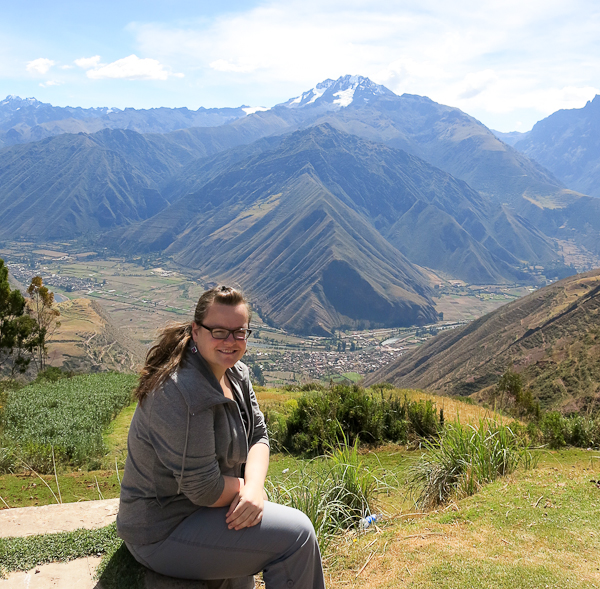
[
  {"x": 533, "y": 529},
  {"x": 530, "y": 529}
]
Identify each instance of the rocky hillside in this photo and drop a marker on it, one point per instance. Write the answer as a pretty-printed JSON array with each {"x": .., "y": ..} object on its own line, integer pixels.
[{"x": 551, "y": 337}]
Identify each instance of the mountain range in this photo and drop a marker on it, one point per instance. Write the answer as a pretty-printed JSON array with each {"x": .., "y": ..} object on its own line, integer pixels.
[
  {"x": 347, "y": 187},
  {"x": 23, "y": 120}
]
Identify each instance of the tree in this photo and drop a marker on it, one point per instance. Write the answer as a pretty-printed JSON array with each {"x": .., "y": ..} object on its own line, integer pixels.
[
  {"x": 257, "y": 373},
  {"x": 16, "y": 327},
  {"x": 511, "y": 385},
  {"x": 41, "y": 309}
]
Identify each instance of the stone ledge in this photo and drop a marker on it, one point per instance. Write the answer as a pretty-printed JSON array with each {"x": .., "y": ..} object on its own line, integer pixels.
[
  {"x": 77, "y": 574},
  {"x": 50, "y": 519}
]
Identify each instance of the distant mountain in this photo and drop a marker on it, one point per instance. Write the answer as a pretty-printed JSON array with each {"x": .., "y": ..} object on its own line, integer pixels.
[
  {"x": 511, "y": 137},
  {"x": 332, "y": 95},
  {"x": 443, "y": 136},
  {"x": 551, "y": 337},
  {"x": 568, "y": 143},
  {"x": 23, "y": 120},
  {"x": 70, "y": 185},
  {"x": 337, "y": 198}
]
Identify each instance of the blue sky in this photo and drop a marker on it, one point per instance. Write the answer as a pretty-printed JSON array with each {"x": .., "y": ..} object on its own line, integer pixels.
[{"x": 508, "y": 63}]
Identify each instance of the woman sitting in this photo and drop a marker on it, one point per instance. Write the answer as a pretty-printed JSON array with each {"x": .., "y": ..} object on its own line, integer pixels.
[{"x": 193, "y": 503}]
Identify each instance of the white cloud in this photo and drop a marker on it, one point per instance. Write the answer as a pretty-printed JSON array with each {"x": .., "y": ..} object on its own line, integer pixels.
[
  {"x": 40, "y": 66},
  {"x": 491, "y": 55},
  {"x": 50, "y": 83},
  {"x": 88, "y": 62},
  {"x": 222, "y": 65},
  {"x": 129, "y": 68}
]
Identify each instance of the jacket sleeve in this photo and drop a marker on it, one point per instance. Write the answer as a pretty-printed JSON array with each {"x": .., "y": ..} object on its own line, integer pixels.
[{"x": 185, "y": 446}]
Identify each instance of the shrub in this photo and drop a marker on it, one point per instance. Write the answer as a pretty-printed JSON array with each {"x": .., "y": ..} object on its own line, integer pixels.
[
  {"x": 464, "y": 458},
  {"x": 553, "y": 429},
  {"x": 318, "y": 418}
]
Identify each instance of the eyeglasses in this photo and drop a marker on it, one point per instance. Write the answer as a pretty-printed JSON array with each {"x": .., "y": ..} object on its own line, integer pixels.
[{"x": 222, "y": 333}]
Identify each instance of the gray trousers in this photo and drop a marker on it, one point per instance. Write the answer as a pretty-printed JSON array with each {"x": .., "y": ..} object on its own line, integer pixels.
[{"x": 283, "y": 546}]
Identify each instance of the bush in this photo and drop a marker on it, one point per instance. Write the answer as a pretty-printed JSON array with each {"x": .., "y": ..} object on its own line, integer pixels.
[
  {"x": 465, "y": 458},
  {"x": 319, "y": 418}
]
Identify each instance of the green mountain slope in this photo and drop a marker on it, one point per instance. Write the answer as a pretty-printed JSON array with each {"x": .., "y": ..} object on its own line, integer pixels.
[
  {"x": 69, "y": 185},
  {"x": 552, "y": 337},
  {"x": 433, "y": 219},
  {"x": 272, "y": 224}
]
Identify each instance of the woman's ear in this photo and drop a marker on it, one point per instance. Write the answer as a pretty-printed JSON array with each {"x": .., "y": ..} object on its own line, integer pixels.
[{"x": 195, "y": 330}]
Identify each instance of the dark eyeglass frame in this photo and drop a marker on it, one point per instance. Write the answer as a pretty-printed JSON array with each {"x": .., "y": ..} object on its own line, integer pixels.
[{"x": 242, "y": 330}]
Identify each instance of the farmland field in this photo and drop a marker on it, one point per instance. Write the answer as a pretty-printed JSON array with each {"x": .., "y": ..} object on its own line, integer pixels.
[{"x": 62, "y": 422}]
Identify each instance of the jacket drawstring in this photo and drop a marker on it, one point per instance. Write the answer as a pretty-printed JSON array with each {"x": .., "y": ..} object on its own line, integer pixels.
[{"x": 187, "y": 433}]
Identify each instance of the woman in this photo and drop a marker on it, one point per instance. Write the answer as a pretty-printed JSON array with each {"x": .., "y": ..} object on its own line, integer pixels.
[{"x": 192, "y": 497}]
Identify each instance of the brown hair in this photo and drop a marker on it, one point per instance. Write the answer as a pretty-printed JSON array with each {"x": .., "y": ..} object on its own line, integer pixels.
[{"x": 165, "y": 356}]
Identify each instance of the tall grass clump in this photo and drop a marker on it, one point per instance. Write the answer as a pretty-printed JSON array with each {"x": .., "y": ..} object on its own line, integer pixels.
[
  {"x": 316, "y": 419},
  {"x": 334, "y": 492},
  {"x": 464, "y": 458},
  {"x": 555, "y": 430},
  {"x": 61, "y": 421}
]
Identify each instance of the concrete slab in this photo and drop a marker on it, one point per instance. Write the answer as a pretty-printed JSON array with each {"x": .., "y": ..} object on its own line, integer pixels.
[
  {"x": 49, "y": 519},
  {"x": 77, "y": 574}
]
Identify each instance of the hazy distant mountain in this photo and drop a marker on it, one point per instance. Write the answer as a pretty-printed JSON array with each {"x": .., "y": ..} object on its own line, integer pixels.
[
  {"x": 71, "y": 185},
  {"x": 23, "y": 120},
  {"x": 274, "y": 223},
  {"x": 443, "y": 136},
  {"x": 87, "y": 183},
  {"x": 568, "y": 143},
  {"x": 511, "y": 137},
  {"x": 551, "y": 337},
  {"x": 279, "y": 218}
]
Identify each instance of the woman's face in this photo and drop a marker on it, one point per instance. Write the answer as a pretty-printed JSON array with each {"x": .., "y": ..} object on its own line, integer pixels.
[{"x": 221, "y": 354}]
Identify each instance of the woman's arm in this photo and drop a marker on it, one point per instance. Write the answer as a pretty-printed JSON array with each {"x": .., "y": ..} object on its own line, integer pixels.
[
  {"x": 231, "y": 490},
  {"x": 247, "y": 507}
]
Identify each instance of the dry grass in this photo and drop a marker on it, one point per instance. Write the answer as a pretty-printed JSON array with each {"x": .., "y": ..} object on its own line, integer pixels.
[
  {"x": 454, "y": 409},
  {"x": 504, "y": 537}
]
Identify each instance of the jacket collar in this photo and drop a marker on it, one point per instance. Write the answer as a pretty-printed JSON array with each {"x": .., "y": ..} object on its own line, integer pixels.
[{"x": 196, "y": 382}]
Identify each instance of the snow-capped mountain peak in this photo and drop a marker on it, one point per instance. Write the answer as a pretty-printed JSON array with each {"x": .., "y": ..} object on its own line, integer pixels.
[
  {"x": 18, "y": 102},
  {"x": 340, "y": 93}
]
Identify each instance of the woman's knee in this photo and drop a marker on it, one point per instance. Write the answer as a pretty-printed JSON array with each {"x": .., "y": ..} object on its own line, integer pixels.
[{"x": 291, "y": 527}]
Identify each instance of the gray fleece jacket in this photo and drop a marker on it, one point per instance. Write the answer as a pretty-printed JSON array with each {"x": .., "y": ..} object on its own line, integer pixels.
[{"x": 183, "y": 439}]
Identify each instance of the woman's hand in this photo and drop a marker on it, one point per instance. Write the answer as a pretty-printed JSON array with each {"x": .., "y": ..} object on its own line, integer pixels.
[{"x": 246, "y": 509}]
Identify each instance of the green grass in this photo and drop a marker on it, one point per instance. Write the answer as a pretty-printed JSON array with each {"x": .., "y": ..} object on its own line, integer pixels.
[
  {"x": 464, "y": 458},
  {"x": 335, "y": 492},
  {"x": 27, "y": 490},
  {"x": 532, "y": 529},
  {"x": 22, "y": 554},
  {"x": 61, "y": 420},
  {"x": 115, "y": 438}
]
